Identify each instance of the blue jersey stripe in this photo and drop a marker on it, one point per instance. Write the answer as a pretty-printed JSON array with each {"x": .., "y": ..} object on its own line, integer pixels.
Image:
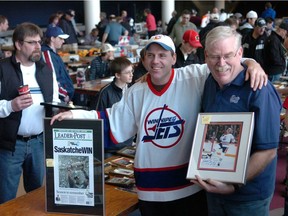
[{"x": 161, "y": 179}]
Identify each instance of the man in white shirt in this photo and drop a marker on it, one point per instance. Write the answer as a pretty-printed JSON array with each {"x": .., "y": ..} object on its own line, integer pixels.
[{"x": 21, "y": 116}]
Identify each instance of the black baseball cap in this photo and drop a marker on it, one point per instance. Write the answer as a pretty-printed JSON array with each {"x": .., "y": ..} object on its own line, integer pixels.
[
  {"x": 260, "y": 22},
  {"x": 70, "y": 13},
  {"x": 284, "y": 26}
]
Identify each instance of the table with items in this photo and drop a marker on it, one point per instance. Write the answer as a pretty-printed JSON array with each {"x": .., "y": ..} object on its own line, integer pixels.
[{"x": 120, "y": 193}]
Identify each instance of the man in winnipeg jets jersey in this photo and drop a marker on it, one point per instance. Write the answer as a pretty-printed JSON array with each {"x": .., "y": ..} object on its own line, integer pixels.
[{"x": 163, "y": 112}]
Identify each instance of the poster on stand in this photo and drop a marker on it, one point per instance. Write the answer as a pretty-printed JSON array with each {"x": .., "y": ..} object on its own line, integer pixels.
[{"x": 74, "y": 167}]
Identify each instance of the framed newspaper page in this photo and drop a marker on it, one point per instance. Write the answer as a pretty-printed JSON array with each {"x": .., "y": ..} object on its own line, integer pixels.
[
  {"x": 221, "y": 147},
  {"x": 74, "y": 167}
]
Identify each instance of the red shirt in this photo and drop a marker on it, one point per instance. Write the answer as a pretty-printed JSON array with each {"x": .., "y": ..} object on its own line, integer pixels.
[{"x": 150, "y": 22}]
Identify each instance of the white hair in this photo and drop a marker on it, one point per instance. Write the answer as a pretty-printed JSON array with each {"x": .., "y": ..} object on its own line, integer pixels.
[{"x": 220, "y": 33}]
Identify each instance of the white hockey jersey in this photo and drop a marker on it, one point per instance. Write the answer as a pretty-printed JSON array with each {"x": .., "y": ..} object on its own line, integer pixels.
[{"x": 164, "y": 122}]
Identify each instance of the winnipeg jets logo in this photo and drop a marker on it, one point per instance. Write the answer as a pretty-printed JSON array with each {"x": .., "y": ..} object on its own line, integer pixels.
[{"x": 163, "y": 127}]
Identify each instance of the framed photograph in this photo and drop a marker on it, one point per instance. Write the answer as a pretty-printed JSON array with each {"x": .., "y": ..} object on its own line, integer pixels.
[
  {"x": 121, "y": 181},
  {"x": 74, "y": 166},
  {"x": 138, "y": 27},
  {"x": 128, "y": 151},
  {"x": 221, "y": 147},
  {"x": 122, "y": 172},
  {"x": 123, "y": 162}
]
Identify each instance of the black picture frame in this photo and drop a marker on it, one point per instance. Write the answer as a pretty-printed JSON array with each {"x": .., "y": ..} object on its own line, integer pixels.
[
  {"x": 128, "y": 151},
  {"x": 123, "y": 162},
  {"x": 94, "y": 164}
]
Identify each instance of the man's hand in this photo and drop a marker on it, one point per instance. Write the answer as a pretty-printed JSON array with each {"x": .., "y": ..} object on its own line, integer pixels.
[
  {"x": 214, "y": 186},
  {"x": 61, "y": 116},
  {"x": 21, "y": 102},
  {"x": 257, "y": 75},
  {"x": 67, "y": 99}
]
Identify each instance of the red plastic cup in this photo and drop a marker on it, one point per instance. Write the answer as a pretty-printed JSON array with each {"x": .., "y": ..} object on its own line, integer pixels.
[{"x": 24, "y": 89}]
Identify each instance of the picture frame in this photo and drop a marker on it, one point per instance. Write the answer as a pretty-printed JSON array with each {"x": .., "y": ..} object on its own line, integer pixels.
[
  {"x": 123, "y": 162},
  {"x": 221, "y": 147},
  {"x": 74, "y": 158},
  {"x": 128, "y": 151},
  {"x": 119, "y": 171},
  {"x": 121, "y": 181},
  {"x": 138, "y": 27}
]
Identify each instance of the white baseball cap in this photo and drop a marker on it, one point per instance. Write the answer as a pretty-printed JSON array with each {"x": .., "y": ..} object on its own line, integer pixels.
[
  {"x": 107, "y": 47},
  {"x": 251, "y": 14},
  {"x": 214, "y": 17},
  {"x": 163, "y": 40}
]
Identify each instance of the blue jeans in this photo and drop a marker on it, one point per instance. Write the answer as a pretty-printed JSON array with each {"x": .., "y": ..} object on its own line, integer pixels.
[
  {"x": 221, "y": 207},
  {"x": 29, "y": 158}
]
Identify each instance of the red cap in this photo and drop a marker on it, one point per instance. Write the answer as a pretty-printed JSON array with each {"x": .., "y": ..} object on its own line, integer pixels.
[{"x": 192, "y": 37}]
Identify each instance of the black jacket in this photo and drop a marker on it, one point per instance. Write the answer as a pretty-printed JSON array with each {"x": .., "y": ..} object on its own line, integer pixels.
[
  {"x": 68, "y": 28},
  {"x": 10, "y": 79},
  {"x": 108, "y": 95},
  {"x": 139, "y": 71},
  {"x": 170, "y": 24},
  {"x": 275, "y": 62},
  {"x": 181, "y": 62},
  {"x": 254, "y": 48}
]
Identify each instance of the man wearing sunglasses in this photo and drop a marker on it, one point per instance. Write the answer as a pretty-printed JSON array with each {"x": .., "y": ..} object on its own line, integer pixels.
[{"x": 21, "y": 115}]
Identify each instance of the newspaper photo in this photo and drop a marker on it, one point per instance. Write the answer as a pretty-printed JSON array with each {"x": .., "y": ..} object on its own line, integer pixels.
[{"x": 73, "y": 166}]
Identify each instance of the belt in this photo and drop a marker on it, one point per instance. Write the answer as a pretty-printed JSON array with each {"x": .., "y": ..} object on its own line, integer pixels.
[{"x": 27, "y": 138}]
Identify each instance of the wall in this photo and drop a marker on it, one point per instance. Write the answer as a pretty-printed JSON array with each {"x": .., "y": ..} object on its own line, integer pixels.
[{"x": 38, "y": 12}]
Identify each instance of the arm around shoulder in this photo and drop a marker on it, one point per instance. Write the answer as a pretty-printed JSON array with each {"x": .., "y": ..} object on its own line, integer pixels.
[{"x": 255, "y": 72}]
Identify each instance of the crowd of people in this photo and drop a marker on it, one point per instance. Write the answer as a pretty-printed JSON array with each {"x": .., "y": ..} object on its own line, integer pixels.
[{"x": 192, "y": 65}]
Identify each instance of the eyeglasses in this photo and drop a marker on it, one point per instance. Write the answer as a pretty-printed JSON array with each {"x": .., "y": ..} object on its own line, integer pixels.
[
  {"x": 227, "y": 57},
  {"x": 34, "y": 43}
]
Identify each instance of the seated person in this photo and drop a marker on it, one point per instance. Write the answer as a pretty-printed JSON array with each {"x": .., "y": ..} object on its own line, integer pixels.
[
  {"x": 122, "y": 69},
  {"x": 100, "y": 65},
  {"x": 92, "y": 38}
]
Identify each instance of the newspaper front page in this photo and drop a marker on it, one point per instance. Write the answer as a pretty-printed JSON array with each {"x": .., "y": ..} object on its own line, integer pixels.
[{"x": 73, "y": 166}]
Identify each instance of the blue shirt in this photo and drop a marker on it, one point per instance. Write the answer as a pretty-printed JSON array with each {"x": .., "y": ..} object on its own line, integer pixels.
[
  {"x": 114, "y": 31},
  {"x": 266, "y": 105},
  {"x": 269, "y": 12}
]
